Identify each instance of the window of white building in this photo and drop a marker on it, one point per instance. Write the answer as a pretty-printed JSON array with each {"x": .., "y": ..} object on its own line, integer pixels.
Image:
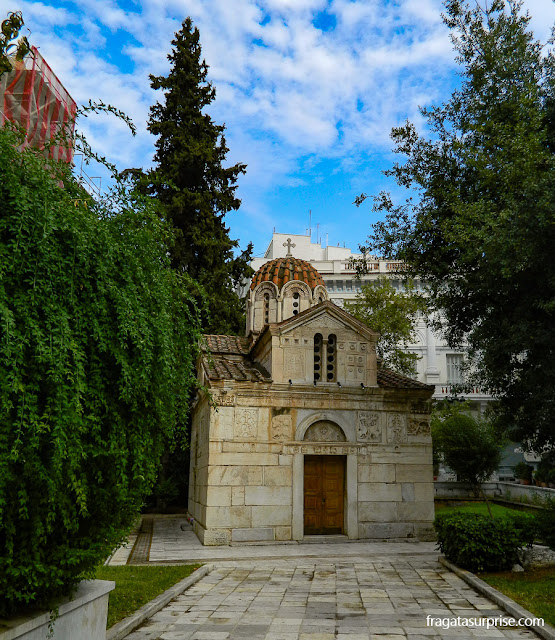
[{"x": 454, "y": 368}]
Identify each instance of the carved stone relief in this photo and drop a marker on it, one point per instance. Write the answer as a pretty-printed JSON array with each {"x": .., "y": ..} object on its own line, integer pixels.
[
  {"x": 369, "y": 427},
  {"x": 225, "y": 423},
  {"x": 418, "y": 427},
  {"x": 246, "y": 422},
  {"x": 396, "y": 429},
  {"x": 326, "y": 321},
  {"x": 294, "y": 366},
  {"x": 282, "y": 428},
  {"x": 324, "y": 431}
]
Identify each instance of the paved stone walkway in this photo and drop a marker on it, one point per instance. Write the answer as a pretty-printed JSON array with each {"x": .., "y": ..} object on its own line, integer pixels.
[
  {"x": 325, "y": 599},
  {"x": 167, "y": 540}
]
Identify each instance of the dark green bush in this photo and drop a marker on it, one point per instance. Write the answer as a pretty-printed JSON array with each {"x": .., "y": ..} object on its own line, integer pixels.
[
  {"x": 546, "y": 525},
  {"x": 98, "y": 342},
  {"x": 478, "y": 543}
]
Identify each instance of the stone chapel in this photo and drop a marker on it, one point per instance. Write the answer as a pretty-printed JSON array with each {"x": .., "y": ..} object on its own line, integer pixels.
[{"x": 299, "y": 432}]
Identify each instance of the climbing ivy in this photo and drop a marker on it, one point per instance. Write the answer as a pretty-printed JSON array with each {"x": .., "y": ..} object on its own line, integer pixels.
[{"x": 98, "y": 339}]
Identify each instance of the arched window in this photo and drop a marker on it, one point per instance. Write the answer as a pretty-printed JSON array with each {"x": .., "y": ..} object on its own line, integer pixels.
[
  {"x": 318, "y": 342},
  {"x": 331, "y": 359}
]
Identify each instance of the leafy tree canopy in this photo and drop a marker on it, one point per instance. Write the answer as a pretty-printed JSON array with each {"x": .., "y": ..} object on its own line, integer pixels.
[
  {"x": 481, "y": 231},
  {"x": 394, "y": 316},
  {"x": 98, "y": 341},
  {"x": 9, "y": 30},
  {"x": 190, "y": 181}
]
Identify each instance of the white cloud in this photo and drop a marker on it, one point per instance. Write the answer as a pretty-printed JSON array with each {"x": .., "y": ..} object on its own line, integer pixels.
[{"x": 285, "y": 89}]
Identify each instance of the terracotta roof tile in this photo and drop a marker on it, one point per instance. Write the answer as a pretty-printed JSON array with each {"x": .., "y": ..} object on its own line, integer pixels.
[
  {"x": 282, "y": 270},
  {"x": 227, "y": 344},
  {"x": 238, "y": 369},
  {"x": 388, "y": 378}
]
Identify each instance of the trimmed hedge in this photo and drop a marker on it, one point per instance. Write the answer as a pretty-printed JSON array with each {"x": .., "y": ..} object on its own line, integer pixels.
[{"x": 478, "y": 543}]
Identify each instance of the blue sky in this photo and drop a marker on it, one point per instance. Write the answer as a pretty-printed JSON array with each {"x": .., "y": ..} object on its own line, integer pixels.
[{"x": 308, "y": 89}]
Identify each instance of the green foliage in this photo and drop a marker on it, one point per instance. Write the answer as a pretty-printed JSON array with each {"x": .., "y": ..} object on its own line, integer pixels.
[
  {"x": 9, "y": 30},
  {"x": 470, "y": 447},
  {"x": 191, "y": 184},
  {"x": 98, "y": 340},
  {"x": 394, "y": 316},
  {"x": 546, "y": 523},
  {"x": 480, "y": 230},
  {"x": 478, "y": 543},
  {"x": 523, "y": 471}
]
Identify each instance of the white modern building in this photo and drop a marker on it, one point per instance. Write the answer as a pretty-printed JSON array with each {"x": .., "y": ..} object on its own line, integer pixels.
[{"x": 438, "y": 365}]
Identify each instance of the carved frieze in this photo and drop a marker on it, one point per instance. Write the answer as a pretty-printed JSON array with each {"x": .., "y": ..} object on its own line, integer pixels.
[
  {"x": 418, "y": 427},
  {"x": 396, "y": 428},
  {"x": 369, "y": 427},
  {"x": 245, "y": 424},
  {"x": 282, "y": 428}
]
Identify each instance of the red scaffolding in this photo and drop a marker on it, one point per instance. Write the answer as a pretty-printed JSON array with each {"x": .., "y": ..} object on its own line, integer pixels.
[{"x": 34, "y": 98}]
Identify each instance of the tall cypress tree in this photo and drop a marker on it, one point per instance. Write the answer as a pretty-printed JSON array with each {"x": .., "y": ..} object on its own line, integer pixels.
[{"x": 193, "y": 187}]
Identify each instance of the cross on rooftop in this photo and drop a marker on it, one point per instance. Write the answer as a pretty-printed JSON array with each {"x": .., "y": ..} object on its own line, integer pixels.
[{"x": 289, "y": 246}]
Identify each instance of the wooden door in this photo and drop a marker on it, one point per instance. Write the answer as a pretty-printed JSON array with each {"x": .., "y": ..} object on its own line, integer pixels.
[{"x": 324, "y": 482}]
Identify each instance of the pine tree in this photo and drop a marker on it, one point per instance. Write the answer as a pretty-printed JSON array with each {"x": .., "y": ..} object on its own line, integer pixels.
[{"x": 192, "y": 186}]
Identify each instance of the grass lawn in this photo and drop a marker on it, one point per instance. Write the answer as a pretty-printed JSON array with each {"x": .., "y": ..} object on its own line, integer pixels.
[
  {"x": 135, "y": 586},
  {"x": 475, "y": 507},
  {"x": 534, "y": 590}
]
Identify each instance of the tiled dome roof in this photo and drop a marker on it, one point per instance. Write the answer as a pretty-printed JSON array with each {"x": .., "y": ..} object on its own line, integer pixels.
[{"x": 281, "y": 270}]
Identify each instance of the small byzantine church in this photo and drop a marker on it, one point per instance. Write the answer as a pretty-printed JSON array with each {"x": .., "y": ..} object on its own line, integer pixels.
[{"x": 299, "y": 432}]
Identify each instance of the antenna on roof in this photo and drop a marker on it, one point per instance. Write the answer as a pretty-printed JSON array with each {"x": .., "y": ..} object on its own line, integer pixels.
[{"x": 310, "y": 223}]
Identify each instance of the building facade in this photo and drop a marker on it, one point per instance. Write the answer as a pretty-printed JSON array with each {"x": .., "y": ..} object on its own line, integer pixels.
[
  {"x": 299, "y": 432},
  {"x": 439, "y": 364}
]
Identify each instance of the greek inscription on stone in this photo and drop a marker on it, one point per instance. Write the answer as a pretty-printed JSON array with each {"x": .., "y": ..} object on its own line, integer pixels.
[
  {"x": 396, "y": 429},
  {"x": 369, "y": 427},
  {"x": 225, "y": 399},
  {"x": 325, "y": 449},
  {"x": 246, "y": 421},
  {"x": 281, "y": 428},
  {"x": 417, "y": 427}
]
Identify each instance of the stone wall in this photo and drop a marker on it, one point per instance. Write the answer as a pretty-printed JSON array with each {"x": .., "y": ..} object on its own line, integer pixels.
[{"x": 505, "y": 490}]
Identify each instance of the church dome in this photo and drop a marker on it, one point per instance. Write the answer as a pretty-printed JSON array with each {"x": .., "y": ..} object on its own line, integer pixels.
[{"x": 282, "y": 270}]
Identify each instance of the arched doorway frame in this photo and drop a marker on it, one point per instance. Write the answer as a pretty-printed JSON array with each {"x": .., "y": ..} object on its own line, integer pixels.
[{"x": 351, "y": 474}]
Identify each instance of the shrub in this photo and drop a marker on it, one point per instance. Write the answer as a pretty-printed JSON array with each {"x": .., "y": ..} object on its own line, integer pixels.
[
  {"x": 479, "y": 543},
  {"x": 523, "y": 471},
  {"x": 471, "y": 448},
  {"x": 98, "y": 342},
  {"x": 546, "y": 524}
]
